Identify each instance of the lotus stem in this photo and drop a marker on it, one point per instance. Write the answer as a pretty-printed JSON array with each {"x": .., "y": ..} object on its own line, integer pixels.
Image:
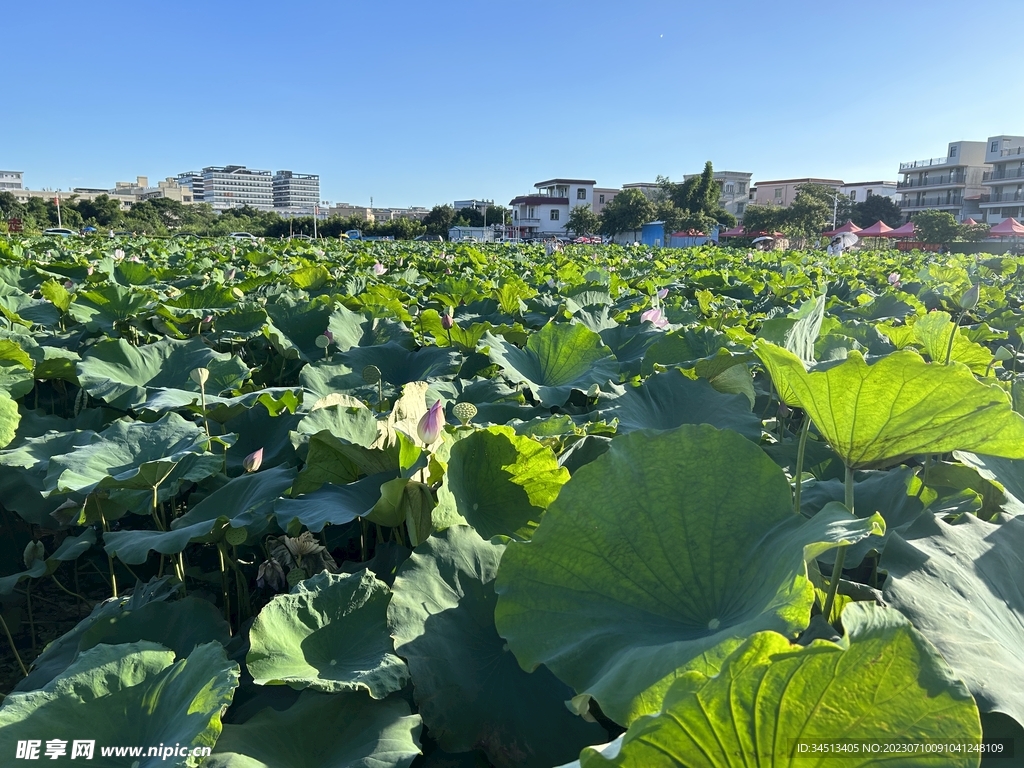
[
  {"x": 801, "y": 446},
  {"x": 14, "y": 648},
  {"x": 224, "y": 587},
  {"x": 31, "y": 619},
  {"x": 837, "y": 569},
  {"x": 110, "y": 560},
  {"x": 241, "y": 588},
  {"x": 952, "y": 335},
  {"x": 73, "y": 594}
]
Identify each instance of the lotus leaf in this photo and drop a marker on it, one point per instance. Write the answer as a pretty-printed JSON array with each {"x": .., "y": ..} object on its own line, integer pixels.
[
  {"x": 328, "y": 634},
  {"x": 469, "y": 688},
  {"x": 668, "y": 546}
]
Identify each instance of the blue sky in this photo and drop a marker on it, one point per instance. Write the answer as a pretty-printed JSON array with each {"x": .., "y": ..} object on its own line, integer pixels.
[{"x": 418, "y": 103}]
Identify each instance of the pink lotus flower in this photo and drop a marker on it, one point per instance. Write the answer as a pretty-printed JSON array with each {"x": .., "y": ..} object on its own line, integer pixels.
[
  {"x": 654, "y": 317},
  {"x": 208, "y": 319},
  {"x": 330, "y": 336},
  {"x": 894, "y": 278},
  {"x": 429, "y": 428},
  {"x": 253, "y": 461},
  {"x": 230, "y": 274},
  {"x": 663, "y": 293},
  {"x": 118, "y": 254},
  {"x": 378, "y": 268}
]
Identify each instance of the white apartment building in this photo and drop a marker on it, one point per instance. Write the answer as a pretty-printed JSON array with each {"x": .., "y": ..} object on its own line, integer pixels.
[
  {"x": 480, "y": 205},
  {"x": 952, "y": 183},
  {"x": 10, "y": 180},
  {"x": 193, "y": 182},
  {"x": 296, "y": 193},
  {"x": 859, "y": 191},
  {"x": 734, "y": 189},
  {"x": 1004, "y": 184},
  {"x": 546, "y": 212},
  {"x": 232, "y": 186}
]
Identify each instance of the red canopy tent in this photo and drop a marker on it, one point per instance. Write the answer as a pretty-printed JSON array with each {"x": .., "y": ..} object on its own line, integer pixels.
[
  {"x": 907, "y": 230},
  {"x": 1007, "y": 228},
  {"x": 736, "y": 231},
  {"x": 847, "y": 227},
  {"x": 878, "y": 229},
  {"x": 969, "y": 222}
]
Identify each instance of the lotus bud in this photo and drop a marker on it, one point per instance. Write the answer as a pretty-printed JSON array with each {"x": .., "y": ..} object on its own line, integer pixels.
[
  {"x": 200, "y": 376},
  {"x": 784, "y": 411},
  {"x": 447, "y": 321},
  {"x": 663, "y": 293},
  {"x": 230, "y": 274},
  {"x": 1004, "y": 353},
  {"x": 970, "y": 298},
  {"x": 429, "y": 428},
  {"x": 371, "y": 374},
  {"x": 271, "y": 576},
  {"x": 378, "y": 268},
  {"x": 253, "y": 461},
  {"x": 208, "y": 319},
  {"x": 464, "y": 412},
  {"x": 654, "y": 317},
  {"x": 118, "y": 254},
  {"x": 33, "y": 551}
]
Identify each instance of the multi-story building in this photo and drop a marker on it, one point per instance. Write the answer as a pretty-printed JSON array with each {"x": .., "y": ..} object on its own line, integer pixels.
[
  {"x": 603, "y": 196},
  {"x": 347, "y": 211},
  {"x": 480, "y": 205},
  {"x": 1004, "y": 184},
  {"x": 859, "y": 191},
  {"x": 952, "y": 183},
  {"x": 296, "y": 193},
  {"x": 783, "y": 192},
  {"x": 734, "y": 190},
  {"x": 546, "y": 212},
  {"x": 651, "y": 189},
  {"x": 232, "y": 186},
  {"x": 193, "y": 182},
  {"x": 11, "y": 180},
  {"x": 390, "y": 214}
]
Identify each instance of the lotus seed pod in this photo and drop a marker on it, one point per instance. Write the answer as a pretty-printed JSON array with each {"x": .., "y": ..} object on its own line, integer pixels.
[
  {"x": 295, "y": 575},
  {"x": 236, "y": 536},
  {"x": 594, "y": 391},
  {"x": 200, "y": 376},
  {"x": 322, "y": 341},
  {"x": 970, "y": 298},
  {"x": 371, "y": 374},
  {"x": 237, "y": 293},
  {"x": 464, "y": 412}
]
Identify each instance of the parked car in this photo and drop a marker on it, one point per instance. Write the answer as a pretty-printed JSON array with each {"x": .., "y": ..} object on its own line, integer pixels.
[
  {"x": 430, "y": 238},
  {"x": 354, "y": 234},
  {"x": 242, "y": 236},
  {"x": 60, "y": 231},
  {"x": 301, "y": 237}
]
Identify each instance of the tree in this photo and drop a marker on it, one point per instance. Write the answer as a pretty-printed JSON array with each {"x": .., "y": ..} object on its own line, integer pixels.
[
  {"x": 103, "y": 212},
  {"x": 439, "y": 220},
  {"x": 627, "y": 212},
  {"x": 974, "y": 233},
  {"x": 936, "y": 227},
  {"x": 582, "y": 221},
  {"x": 468, "y": 217},
  {"x": 764, "y": 218},
  {"x": 877, "y": 208}
]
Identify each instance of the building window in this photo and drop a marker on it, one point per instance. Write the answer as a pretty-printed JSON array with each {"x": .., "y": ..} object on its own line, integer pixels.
[
  {"x": 778, "y": 193},
  {"x": 729, "y": 189},
  {"x": 581, "y": 194},
  {"x": 741, "y": 187},
  {"x": 554, "y": 214},
  {"x": 601, "y": 199},
  {"x": 870, "y": 193},
  {"x": 952, "y": 151},
  {"x": 995, "y": 146},
  {"x": 739, "y": 208}
]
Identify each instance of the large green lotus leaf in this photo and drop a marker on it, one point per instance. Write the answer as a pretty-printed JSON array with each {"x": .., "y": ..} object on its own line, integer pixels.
[
  {"x": 219, "y": 409},
  {"x": 331, "y": 504},
  {"x": 667, "y": 400},
  {"x": 882, "y": 682},
  {"x": 296, "y": 322},
  {"x": 501, "y": 482},
  {"x": 557, "y": 358},
  {"x": 207, "y": 297},
  {"x": 629, "y": 344},
  {"x": 329, "y": 634},
  {"x": 469, "y": 688},
  {"x": 962, "y": 584},
  {"x": 119, "y": 373},
  {"x": 899, "y": 406},
  {"x": 71, "y": 548},
  {"x": 36, "y": 311},
  {"x": 111, "y": 691},
  {"x": 245, "y": 501},
  {"x": 9, "y": 419},
  {"x": 352, "y": 423},
  {"x": 685, "y": 347},
  {"x": 397, "y": 365},
  {"x": 134, "y": 455},
  {"x": 933, "y": 331},
  {"x": 1009, "y": 473},
  {"x": 99, "y": 308},
  {"x": 342, "y": 730},
  {"x": 16, "y": 369},
  {"x": 669, "y": 546},
  {"x": 351, "y": 329},
  {"x": 180, "y": 625}
]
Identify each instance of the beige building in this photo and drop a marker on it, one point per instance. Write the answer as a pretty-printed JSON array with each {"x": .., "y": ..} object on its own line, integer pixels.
[
  {"x": 1004, "y": 184},
  {"x": 603, "y": 196},
  {"x": 347, "y": 211},
  {"x": 783, "y": 191},
  {"x": 953, "y": 183}
]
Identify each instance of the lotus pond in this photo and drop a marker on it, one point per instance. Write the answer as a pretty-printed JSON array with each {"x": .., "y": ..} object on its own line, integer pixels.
[{"x": 389, "y": 504}]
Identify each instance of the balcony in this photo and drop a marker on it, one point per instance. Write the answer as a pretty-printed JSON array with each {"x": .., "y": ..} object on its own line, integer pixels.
[
  {"x": 1002, "y": 197},
  {"x": 939, "y": 201},
  {"x": 951, "y": 178},
  {"x": 926, "y": 163},
  {"x": 1003, "y": 173},
  {"x": 524, "y": 222},
  {"x": 1011, "y": 151}
]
